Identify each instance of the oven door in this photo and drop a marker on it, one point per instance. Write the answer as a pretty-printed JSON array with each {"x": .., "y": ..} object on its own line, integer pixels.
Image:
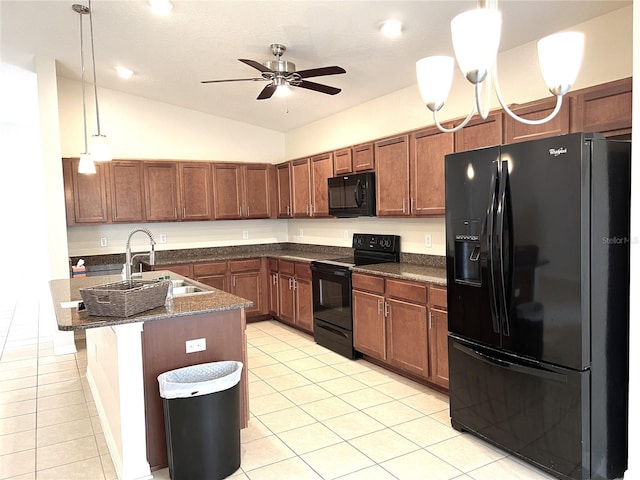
[{"x": 332, "y": 295}]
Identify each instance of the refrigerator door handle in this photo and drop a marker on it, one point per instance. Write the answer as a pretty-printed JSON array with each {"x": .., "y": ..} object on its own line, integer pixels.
[
  {"x": 491, "y": 213},
  {"x": 502, "y": 210},
  {"x": 540, "y": 371}
]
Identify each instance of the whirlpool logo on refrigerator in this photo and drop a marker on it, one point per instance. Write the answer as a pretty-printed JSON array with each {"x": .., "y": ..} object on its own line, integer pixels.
[{"x": 557, "y": 151}]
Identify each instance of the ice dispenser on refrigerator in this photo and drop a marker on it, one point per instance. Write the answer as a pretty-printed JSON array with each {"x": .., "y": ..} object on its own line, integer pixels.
[{"x": 467, "y": 253}]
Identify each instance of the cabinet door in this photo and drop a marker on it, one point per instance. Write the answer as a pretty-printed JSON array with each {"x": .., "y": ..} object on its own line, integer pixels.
[
  {"x": 321, "y": 171},
  {"x": 438, "y": 348},
  {"x": 304, "y": 304},
  {"x": 184, "y": 269},
  {"x": 161, "y": 191},
  {"x": 256, "y": 191},
  {"x": 286, "y": 298},
  {"x": 213, "y": 274},
  {"x": 89, "y": 193},
  {"x": 248, "y": 285},
  {"x": 369, "y": 326},
  {"x": 604, "y": 108},
  {"x": 363, "y": 157},
  {"x": 342, "y": 162},
  {"x": 480, "y": 133},
  {"x": 274, "y": 285},
  {"x": 515, "y": 131},
  {"x": 428, "y": 148},
  {"x": 127, "y": 201},
  {"x": 301, "y": 187},
  {"x": 283, "y": 177},
  {"x": 407, "y": 336},
  {"x": 392, "y": 176},
  {"x": 195, "y": 191},
  {"x": 227, "y": 191}
]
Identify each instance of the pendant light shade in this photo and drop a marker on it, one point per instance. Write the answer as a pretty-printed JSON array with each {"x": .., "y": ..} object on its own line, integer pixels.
[
  {"x": 560, "y": 57},
  {"x": 86, "y": 164},
  {"x": 100, "y": 149},
  {"x": 435, "y": 75}
]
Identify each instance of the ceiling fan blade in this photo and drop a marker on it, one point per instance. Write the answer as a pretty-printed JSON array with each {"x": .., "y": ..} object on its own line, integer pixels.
[
  {"x": 256, "y": 65},
  {"x": 318, "y": 87},
  {"x": 267, "y": 92},
  {"x": 235, "y": 80},
  {"x": 319, "y": 72}
]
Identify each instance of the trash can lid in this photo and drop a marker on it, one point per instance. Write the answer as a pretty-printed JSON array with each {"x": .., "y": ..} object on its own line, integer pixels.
[{"x": 201, "y": 379}]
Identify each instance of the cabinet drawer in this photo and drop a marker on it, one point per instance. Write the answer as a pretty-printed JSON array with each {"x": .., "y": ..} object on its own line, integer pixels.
[
  {"x": 205, "y": 269},
  {"x": 410, "y": 291},
  {"x": 286, "y": 267},
  {"x": 303, "y": 270},
  {"x": 369, "y": 283},
  {"x": 245, "y": 265},
  {"x": 273, "y": 264},
  {"x": 438, "y": 297}
]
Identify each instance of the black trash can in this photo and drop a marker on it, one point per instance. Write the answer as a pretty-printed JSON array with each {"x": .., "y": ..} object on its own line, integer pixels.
[{"x": 202, "y": 420}]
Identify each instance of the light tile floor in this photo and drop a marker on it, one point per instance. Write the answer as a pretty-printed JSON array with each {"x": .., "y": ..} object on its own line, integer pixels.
[{"x": 314, "y": 415}]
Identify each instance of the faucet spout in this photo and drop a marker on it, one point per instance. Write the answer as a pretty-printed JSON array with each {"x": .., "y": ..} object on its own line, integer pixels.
[{"x": 129, "y": 258}]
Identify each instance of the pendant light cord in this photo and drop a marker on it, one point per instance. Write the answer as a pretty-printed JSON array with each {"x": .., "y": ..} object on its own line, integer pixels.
[
  {"x": 93, "y": 61},
  {"x": 84, "y": 106}
]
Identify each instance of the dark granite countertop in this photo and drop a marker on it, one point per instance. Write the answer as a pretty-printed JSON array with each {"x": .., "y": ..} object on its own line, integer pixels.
[
  {"x": 67, "y": 290},
  {"x": 406, "y": 271}
]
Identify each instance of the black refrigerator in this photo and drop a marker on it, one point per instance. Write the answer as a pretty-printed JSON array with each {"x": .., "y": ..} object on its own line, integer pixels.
[{"x": 537, "y": 240}]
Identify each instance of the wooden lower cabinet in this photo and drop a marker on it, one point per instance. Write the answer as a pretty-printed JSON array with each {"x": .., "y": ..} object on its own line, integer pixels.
[
  {"x": 394, "y": 321},
  {"x": 213, "y": 274},
  {"x": 247, "y": 282},
  {"x": 295, "y": 294},
  {"x": 274, "y": 305}
]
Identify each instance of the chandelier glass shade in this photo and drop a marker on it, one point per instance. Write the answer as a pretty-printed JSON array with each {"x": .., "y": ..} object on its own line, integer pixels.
[{"x": 476, "y": 38}]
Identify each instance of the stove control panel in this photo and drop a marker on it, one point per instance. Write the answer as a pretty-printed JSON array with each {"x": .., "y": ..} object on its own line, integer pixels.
[{"x": 376, "y": 242}]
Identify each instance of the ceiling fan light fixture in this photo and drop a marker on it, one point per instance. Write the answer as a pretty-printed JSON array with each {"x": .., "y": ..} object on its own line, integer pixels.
[
  {"x": 391, "y": 28},
  {"x": 161, "y": 7}
]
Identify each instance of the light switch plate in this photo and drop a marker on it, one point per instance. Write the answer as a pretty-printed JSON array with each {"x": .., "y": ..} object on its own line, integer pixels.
[
  {"x": 427, "y": 240},
  {"x": 197, "y": 345},
  {"x": 103, "y": 241}
]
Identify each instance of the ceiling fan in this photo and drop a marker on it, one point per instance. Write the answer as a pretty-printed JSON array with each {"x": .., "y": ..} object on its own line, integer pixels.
[{"x": 281, "y": 73}]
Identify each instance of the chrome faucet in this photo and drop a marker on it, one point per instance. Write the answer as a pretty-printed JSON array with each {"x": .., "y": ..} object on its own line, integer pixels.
[{"x": 129, "y": 258}]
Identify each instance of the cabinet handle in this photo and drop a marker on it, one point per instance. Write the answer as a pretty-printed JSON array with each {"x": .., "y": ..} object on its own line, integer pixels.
[
  {"x": 429, "y": 320},
  {"x": 234, "y": 281},
  {"x": 379, "y": 306},
  {"x": 387, "y": 309},
  {"x": 413, "y": 205},
  {"x": 404, "y": 202},
  {"x": 290, "y": 283},
  {"x": 295, "y": 284},
  {"x": 175, "y": 212},
  {"x": 311, "y": 210},
  {"x": 275, "y": 278},
  {"x": 240, "y": 211},
  {"x": 184, "y": 212},
  {"x": 248, "y": 211}
]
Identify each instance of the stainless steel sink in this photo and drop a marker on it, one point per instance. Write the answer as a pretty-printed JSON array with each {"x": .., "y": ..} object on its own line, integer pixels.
[{"x": 182, "y": 288}]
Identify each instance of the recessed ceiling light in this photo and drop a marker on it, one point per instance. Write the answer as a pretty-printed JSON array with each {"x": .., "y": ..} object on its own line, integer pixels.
[
  {"x": 161, "y": 7},
  {"x": 391, "y": 28},
  {"x": 124, "y": 72}
]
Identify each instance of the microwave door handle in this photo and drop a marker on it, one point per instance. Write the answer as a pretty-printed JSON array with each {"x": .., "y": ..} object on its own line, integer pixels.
[{"x": 356, "y": 194}]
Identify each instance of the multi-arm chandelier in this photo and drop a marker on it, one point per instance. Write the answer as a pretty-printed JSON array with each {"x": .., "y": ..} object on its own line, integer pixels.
[{"x": 476, "y": 36}]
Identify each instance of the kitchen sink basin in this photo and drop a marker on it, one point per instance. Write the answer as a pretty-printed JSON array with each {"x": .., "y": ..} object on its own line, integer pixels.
[{"x": 182, "y": 288}]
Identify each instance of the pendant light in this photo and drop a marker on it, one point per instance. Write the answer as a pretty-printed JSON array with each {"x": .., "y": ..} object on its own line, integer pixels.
[
  {"x": 86, "y": 164},
  {"x": 476, "y": 38},
  {"x": 99, "y": 146}
]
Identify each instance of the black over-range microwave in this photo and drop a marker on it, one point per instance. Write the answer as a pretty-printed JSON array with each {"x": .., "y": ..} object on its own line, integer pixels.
[{"x": 353, "y": 195}]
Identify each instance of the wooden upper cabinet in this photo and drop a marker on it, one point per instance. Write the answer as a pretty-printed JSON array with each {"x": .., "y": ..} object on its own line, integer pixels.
[
  {"x": 256, "y": 191},
  {"x": 127, "y": 194},
  {"x": 301, "y": 187},
  {"x": 195, "y": 191},
  {"x": 342, "y": 164},
  {"x": 86, "y": 195},
  {"x": 515, "y": 131},
  {"x": 227, "y": 191},
  {"x": 428, "y": 149},
  {"x": 161, "y": 191},
  {"x": 321, "y": 171},
  {"x": 480, "y": 133},
  {"x": 363, "y": 157},
  {"x": 392, "y": 176},
  {"x": 603, "y": 109},
  {"x": 283, "y": 180}
]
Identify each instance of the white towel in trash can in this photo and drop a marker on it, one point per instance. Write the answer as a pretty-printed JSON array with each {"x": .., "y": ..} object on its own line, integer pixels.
[{"x": 199, "y": 379}]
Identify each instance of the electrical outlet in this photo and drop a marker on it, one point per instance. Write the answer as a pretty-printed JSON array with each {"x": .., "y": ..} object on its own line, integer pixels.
[
  {"x": 301, "y": 233},
  {"x": 197, "y": 345},
  {"x": 345, "y": 235},
  {"x": 163, "y": 238},
  {"x": 103, "y": 241},
  {"x": 427, "y": 240},
  {"x": 245, "y": 234}
]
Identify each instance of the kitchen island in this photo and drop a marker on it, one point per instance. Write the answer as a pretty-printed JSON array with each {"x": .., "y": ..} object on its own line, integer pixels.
[{"x": 126, "y": 354}]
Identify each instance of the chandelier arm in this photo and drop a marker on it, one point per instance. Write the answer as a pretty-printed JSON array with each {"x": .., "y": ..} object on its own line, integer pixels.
[
  {"x": 486, "y": 83},
  {"x": 526, "y": 121},
  {"x": 454, "y": 129}
]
